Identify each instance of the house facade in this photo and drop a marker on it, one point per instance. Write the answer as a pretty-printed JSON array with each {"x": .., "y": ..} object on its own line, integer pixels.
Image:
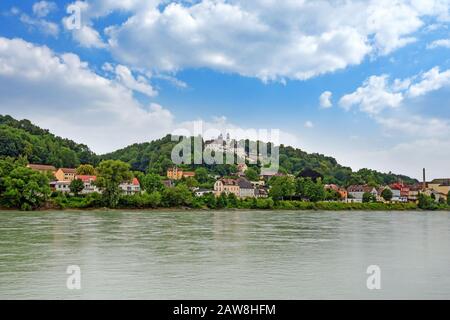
[
  {"x": 440, "y": 185},
  {"x": 89, "y": 183},
  {"x": 356, "y": 192},
  {"x": 175, "y": 173},
  {"x": 226, "y": 186},
  {"x": 246, "y": 189},
  {"x": 130, "y": 188},
  {"x": 60, "y": 186},
  {"x": 65, "y": 174}
]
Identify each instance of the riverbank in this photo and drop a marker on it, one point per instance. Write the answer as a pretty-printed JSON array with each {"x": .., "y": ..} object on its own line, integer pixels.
[{"x": 280, "y": 205}]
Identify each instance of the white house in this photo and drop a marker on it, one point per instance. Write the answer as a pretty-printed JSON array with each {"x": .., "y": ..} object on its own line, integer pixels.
[{"x": 130, "y": 188}]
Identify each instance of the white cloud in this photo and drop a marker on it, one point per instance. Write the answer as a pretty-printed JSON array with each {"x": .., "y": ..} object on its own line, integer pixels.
[
  {"x": 88, "y": 37},
  {"x": 444, "y": 43},
  {"x": 62, "y": 93},
  {"x": 43, "y": 8},
  {"x": 430, "y": 81},
  {"x": 325, "y": 100},
  {"x": 373, "y": 96},
  {"x": 44, "y": 26},
  {"x": 139, "y": 84},
  {"x": 270, "y": 40}
]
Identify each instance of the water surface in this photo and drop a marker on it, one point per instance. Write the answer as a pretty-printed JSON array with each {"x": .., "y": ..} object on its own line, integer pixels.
[{"x": 224, "y": 255}]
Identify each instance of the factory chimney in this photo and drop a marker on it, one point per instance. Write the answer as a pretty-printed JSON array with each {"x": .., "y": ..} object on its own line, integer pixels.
[{"x": 424, "y": 186}]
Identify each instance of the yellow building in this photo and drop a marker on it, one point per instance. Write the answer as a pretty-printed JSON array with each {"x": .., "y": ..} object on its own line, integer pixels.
[
  {"x": 65, "y": 174},
  {"x": 227, "y": 186},
  {"x": 440, "y": 186},
  {"x": 177, "y": 174}
]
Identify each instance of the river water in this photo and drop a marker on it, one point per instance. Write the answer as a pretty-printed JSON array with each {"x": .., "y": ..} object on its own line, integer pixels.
[{"x": 224, "y": 254}]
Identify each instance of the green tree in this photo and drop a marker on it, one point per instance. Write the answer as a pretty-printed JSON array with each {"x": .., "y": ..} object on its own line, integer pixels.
[
  {"x": 23, "y": 188},
  {"x": 86, "y": 170},
  {"x": 368, "y": 197},
  {"x": 310, "y": 190},
  {"x": 448, "y": 198},
  {"x": 387, "y": 194},
  {"x": 76, "y": 186},
  {"x": 281, "y": 187},
  {"x": 111, "y": 173},
  {"x": 209, "y": 200},
  {"x": 427, "y": 202},
  {"x": 251, "y": 174},
  {"x": 177, "y": 196},
  {"x": 232, "y": 200},
  {"x": 152, "y": 182},
  {"x": 201, "y": 174},
  {"x": 222, "y": 201}
]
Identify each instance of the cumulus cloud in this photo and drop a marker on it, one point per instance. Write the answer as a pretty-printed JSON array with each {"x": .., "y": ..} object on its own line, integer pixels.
[
  {"x": 443, "y": 43},
  {"x": 431, "y": 80},
  {"x": 373, "y": 96},
  {"x": 61, "y": 92},
  {"x": 43, "y": 8},
  {"x": 269, "y": 40},
  {"x": 325, "y": 100},
  {"x": 139, "y": 84}
]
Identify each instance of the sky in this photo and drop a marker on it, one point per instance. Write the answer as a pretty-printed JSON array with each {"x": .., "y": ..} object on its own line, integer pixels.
[{"x": 364, "y": 81}]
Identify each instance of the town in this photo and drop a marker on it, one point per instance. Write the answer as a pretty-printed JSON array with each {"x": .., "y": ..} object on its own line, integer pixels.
[{"x": 261, "y": 186}]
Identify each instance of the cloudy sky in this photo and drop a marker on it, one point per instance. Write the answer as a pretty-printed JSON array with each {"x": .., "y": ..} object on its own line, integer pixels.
[{"x": 365, "y": 81}]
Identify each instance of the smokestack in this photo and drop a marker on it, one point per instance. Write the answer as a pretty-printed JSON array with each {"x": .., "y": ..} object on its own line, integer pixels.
[{"x": 424, "y": 186}]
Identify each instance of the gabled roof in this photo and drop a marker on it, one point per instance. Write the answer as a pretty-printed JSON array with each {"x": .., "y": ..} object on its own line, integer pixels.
[
  {"x": 42, "y": 167},
  {"x": 86, "y": 178},
  {"x": 68, "y": 170},
  {"x": 445, "y": 182},
  {"x": 229, "y": 182},
  {"x": 244, "y": 183}
]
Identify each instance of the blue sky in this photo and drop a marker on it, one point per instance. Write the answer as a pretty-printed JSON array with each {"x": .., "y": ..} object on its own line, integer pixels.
[{"x": 132, "y": 71}]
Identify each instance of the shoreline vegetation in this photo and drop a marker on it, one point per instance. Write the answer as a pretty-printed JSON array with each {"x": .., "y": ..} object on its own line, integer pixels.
[{"x": 26, "y": 189}]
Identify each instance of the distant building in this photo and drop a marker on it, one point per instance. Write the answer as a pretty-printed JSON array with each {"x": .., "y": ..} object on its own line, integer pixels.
[
  {"x": 356, "y": 192},
  {"x": 261, "y": 192},
  {"x": 342, "y": 191},
  {"x": 60, "y": 186},
  {"x": 226, "y": 186},
  {"x": 202, "y": 192},
  {"x": 65, "y": 174},
  {"x": 177, "y": 174},
  {"x": 414, "y": 192},
  {"x": 89, "y": 183},
  {"x": 400, "y": 192},
  {"x": 42, "y": 168},
  {"x": 167, "y": 183},
  {"x": 440, "y": 186},
  {"x": 130, "y": 188},
  {"x": 246, "y": 189}
]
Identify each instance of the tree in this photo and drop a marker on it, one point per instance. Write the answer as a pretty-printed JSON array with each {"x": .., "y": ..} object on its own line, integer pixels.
[
  {"x": 23, "y": 188},
  {"x": 426, "y": 202},
  {"x": 310, "y": 190},
  {"x": 251, "y": 174},
  {"x": 222, "y": 201},
  {"x": 281, "y": 187},
  {"x": 368, "y": 197},
  {"x": 76, "y": 186},
  {"x": 387, "y": 194},
  {"x": 201, "y": 174},
  {"x": 232, "y": 200},
  {"x": 111, "y": 173},
  {"x": 177, "y": 196},
  {"x": 448, "y": 198},
  {"x": 152, "y": 182},
  {"x": 86, "y": 170}
]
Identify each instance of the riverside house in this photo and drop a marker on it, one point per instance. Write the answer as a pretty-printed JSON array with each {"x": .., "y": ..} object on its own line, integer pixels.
[
  {"x": 226, "y": 186},
  {"x": 89, "y": 183},
  {"x": 130, "y": 188},
  {"x": 356, "y": 192},
  {"x": 65, "y": 174}
]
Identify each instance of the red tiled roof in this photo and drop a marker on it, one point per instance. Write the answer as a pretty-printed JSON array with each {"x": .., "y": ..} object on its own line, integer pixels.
[
  {"x": 135, "y": 182},
  {"x": 86, "y": 178}
]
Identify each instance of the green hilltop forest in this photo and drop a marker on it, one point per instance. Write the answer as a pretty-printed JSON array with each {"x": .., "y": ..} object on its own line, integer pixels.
[{"x": 21, "y": 138}]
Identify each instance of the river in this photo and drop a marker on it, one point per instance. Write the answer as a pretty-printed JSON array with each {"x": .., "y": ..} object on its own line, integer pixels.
[{"x": 224, "y": 254}]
